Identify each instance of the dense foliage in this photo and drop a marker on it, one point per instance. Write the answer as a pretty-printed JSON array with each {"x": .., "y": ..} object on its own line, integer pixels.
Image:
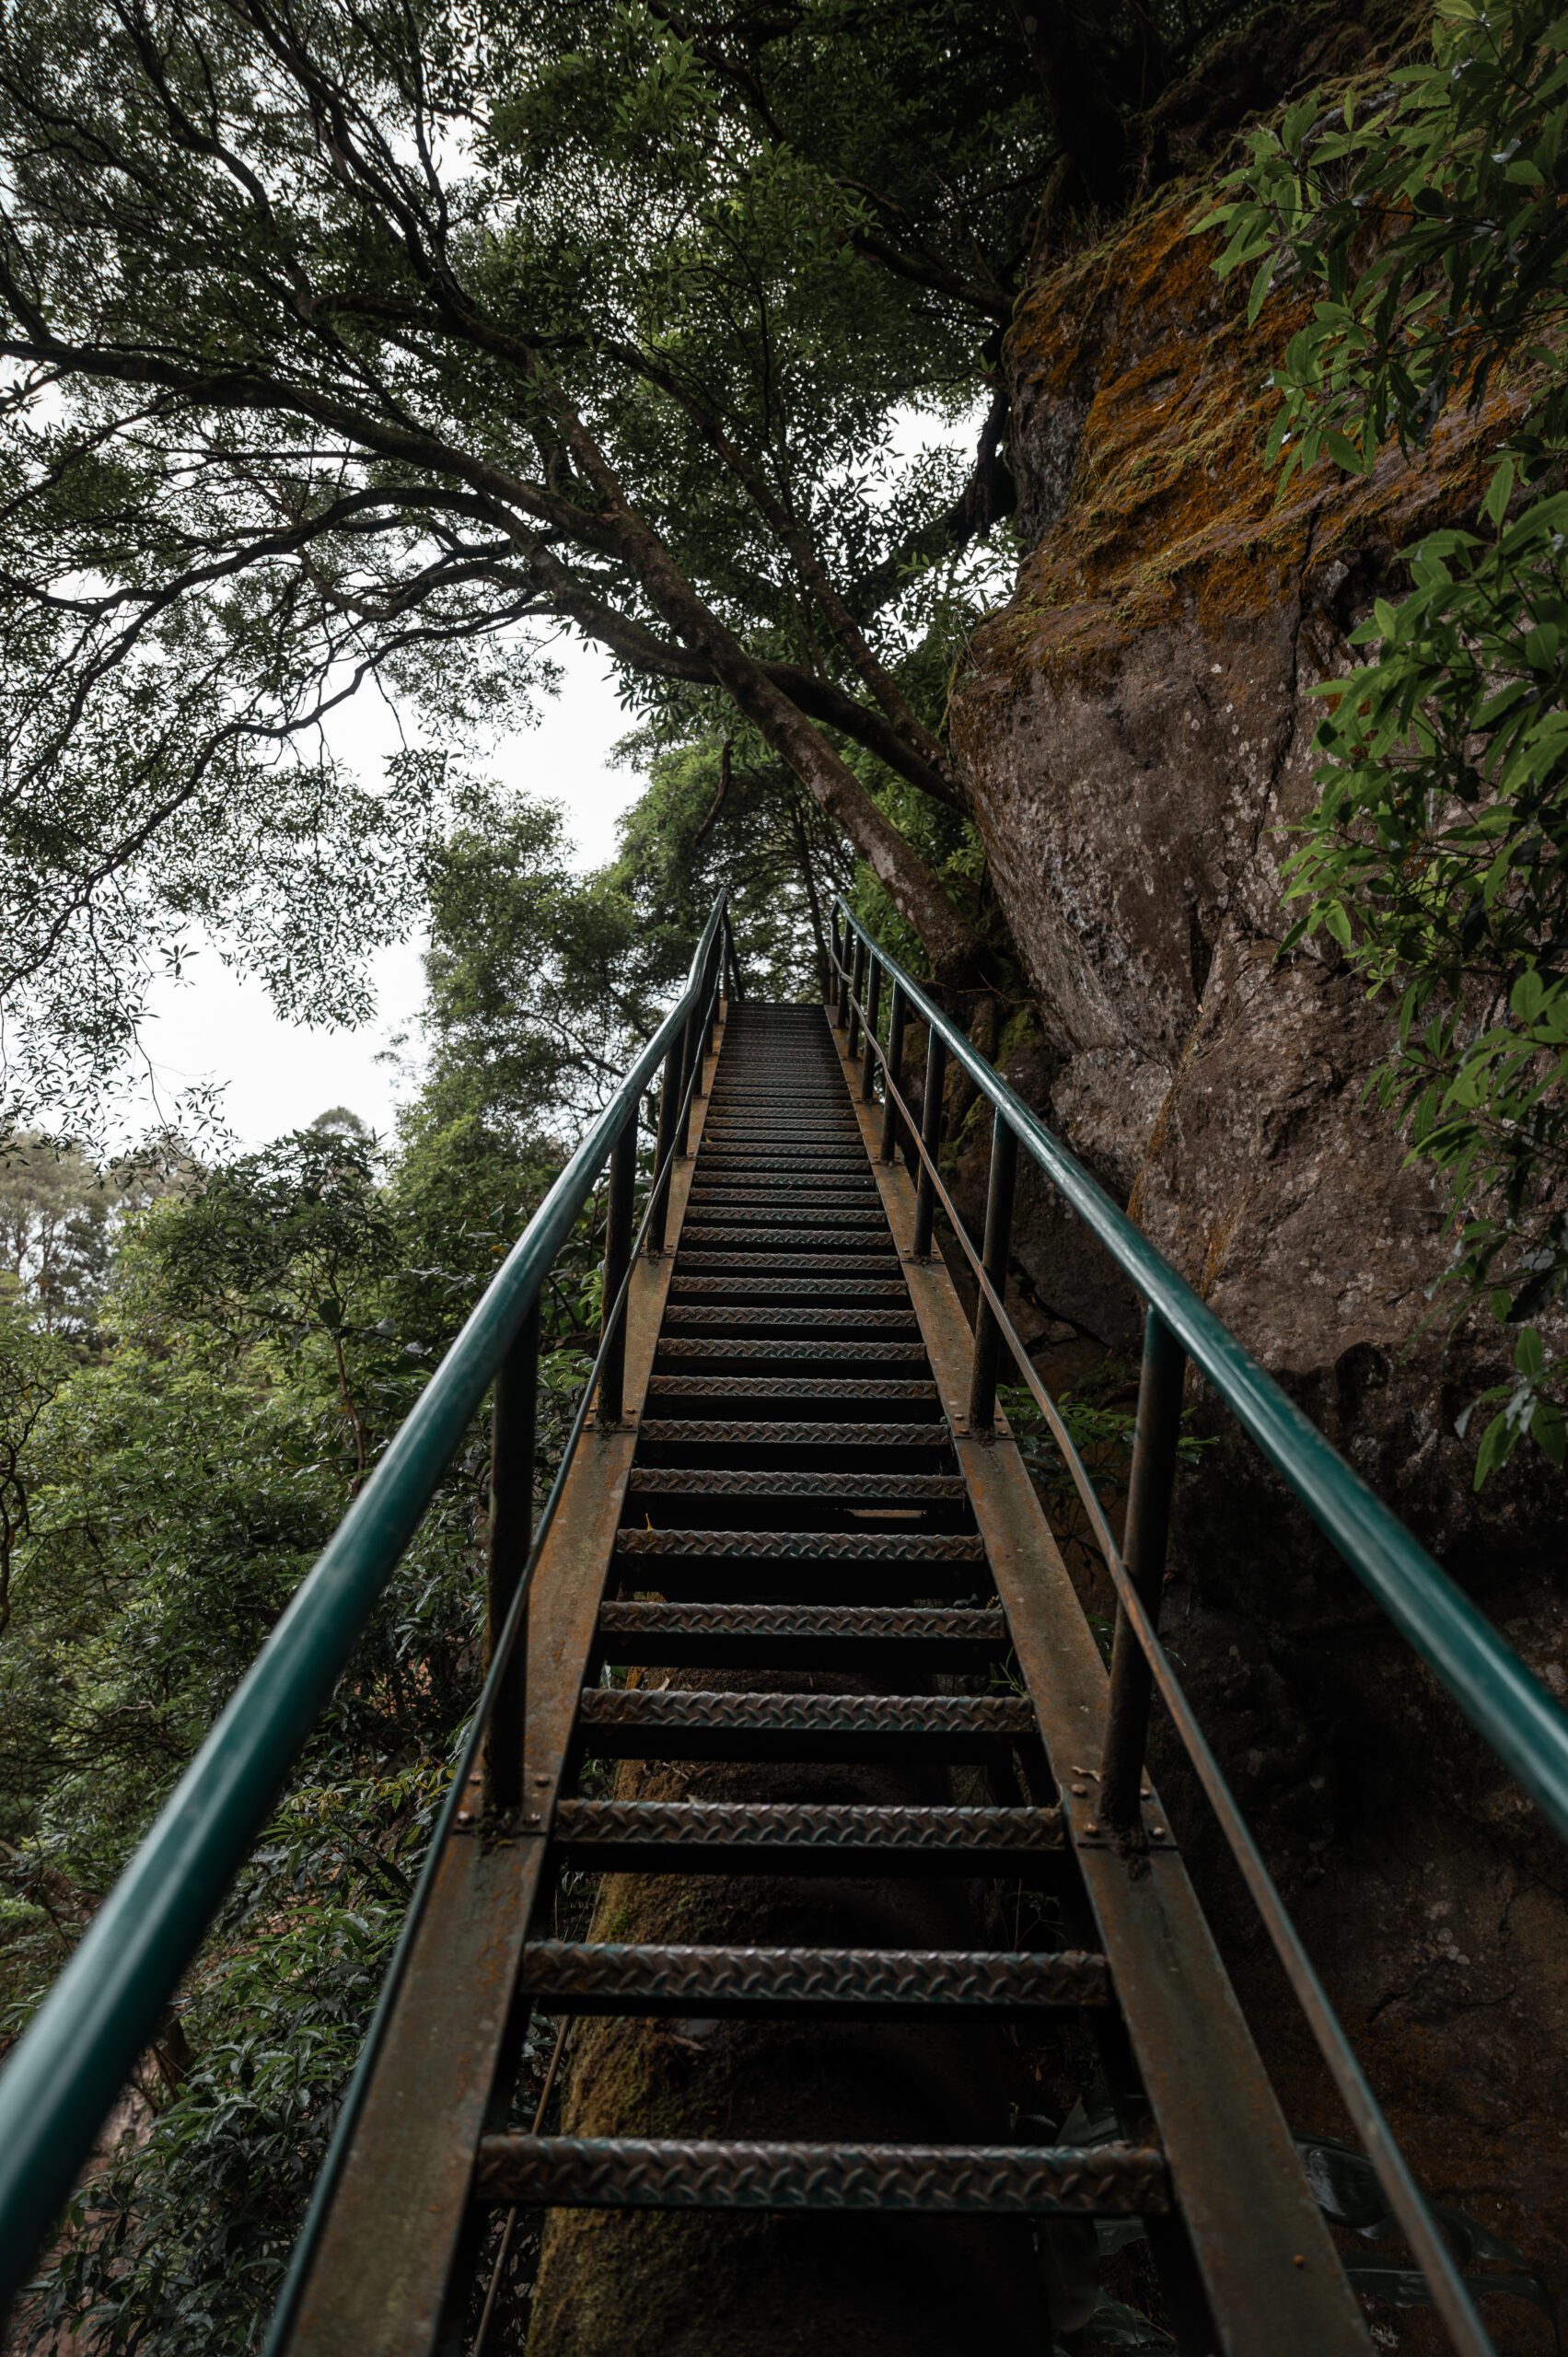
[
  {"x": 184, "y": 1414},
  {"x": 1429, "y": 209},
  {"x": 369, "y": 345}
]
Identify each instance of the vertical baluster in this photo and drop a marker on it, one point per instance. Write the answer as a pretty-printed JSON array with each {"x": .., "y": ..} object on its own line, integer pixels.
[
  {"x": 669, "y": 1099},
  {"x": 1149, "y": 1490},
  {"x": 872, "y": 1008},
  {"x": 931, "y": 1139},
  {"x": 617, "y": 1259},
  {"x": 830, "y": 981},
  {"x": 688, "y": 1051},
  {"x": 993, "y": 1259},
  {"x": 842, "y": 1016},
  {"x": 856, "y": 994},
  {"x": 716, "y": 987},
  {"x": 891, "y": 1123},
  {"x": 511, "y": 1529}
]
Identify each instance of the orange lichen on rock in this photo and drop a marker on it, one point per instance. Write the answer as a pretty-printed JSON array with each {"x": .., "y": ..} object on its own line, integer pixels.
[{"x": 1165, "y": 392}]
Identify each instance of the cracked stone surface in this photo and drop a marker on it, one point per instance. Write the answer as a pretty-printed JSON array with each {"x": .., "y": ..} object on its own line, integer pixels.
[{"x": 1134, "y": 732}]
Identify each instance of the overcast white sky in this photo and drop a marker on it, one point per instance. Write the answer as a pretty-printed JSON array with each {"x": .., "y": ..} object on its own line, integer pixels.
[{"x": 276, "y": 1075}]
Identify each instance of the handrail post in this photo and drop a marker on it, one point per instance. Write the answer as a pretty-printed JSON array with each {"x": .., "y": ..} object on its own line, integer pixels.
[
  {"x": 511, "y": 1440},
  {"x": 682, "y": 1106},
  {"x": 842, "y": 1016},
  {"x": 617, "y": 1259},
  {"x": 993, "y": 1260},
  {"x": 831, "y": 978},
  {"x": 1149, "y": 1491},
  {"x": 664, "y": 1156},
  {"x": 873, "y": 1007},
  {"x": 856, "y": 993},
  {"x": 930, "y": 1139},
  {"x": 716, "y": 992},
  {"x": 895, "y": 1073}
]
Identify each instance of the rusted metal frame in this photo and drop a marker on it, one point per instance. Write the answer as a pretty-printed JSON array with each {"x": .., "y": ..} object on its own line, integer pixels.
[
  {"x": 893, "y": 1069},
  {"x": 512, "y": 1441},
  {"x": 1151, "y": 1487},
  {"x": 993, "y": 1261},
  {"x": 873, "y": 1010},
  {"x": 372, "y": 2266},
  {"x": 1453, "y": 2301},
  {"x": 617, "y": 1260}
]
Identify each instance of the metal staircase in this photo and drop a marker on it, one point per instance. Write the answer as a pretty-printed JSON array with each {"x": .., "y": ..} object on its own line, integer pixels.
[{"x": 794, "y": 1546}]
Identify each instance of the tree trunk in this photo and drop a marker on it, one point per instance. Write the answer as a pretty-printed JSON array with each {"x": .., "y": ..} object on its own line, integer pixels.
[{"x": 643, "y": 2283}]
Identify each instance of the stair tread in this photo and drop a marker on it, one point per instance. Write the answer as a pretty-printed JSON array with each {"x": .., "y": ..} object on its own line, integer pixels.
[
  {"x": 670, "y": 1826},
  {"x": 996, "y": 1714},
  {"x": 790, "y": 1387},
  {"x": 785, "y": 1432},
  {"x": 895, "y": 1354},
  {"x": 871, "y": 1320},
  {"x": 893, "y": 1622},
  {"x": 792, "y": 1546},
  {"x": 747, "y": 1481},
  {"x": 654, "y": 2173},
  {"x": 555, "y": 1972}
]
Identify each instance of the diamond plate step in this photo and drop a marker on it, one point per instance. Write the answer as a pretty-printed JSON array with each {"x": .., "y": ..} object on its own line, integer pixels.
[
  {"x": 799, "y": 1837},
  {"x": 920, "y": 1549},
  {"x": 662, "y": 1723},
  {"x": 727, "y": 1248},
  {"x": 781, "y": 1431},
  {"x": 873, "y": 1290},
  {"x": 794, "y": 1387},
  {"x": 883, "y": 1488},
  {"x": 827, "y": 1354},
  {"x": 683, "y": 1316},
  {"x": 802, "y": 1636},
  {"x": 607, "y": 1977},
  {"x": 753, "y": 1271},
  {"x": 994, "y": 2180},
  {"x": 728, "y": 1221}
]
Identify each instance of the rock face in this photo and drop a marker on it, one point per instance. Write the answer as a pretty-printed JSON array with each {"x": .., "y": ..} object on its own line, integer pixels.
[{"x": 1134, "y": 732}]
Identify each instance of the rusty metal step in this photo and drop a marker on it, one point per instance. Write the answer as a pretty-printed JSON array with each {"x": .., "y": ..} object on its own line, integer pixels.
[
  {"x": 785, "y": 1433},
  {"x": 800, "y": 1838},
  {"x": 905, "y": 1549},
  {"x": 746, "y": 1185},
  {"x": 884, "y": 1488},
  {"x": 994, "y": 2180},
  {"x": 728, "y": 1209},
  {"x": 789, "y": 1391},
  {"x": 764, "y": 1249},
  {"x": 901, "y": 1639},
  {"x": 874, "y": 1292},
  {"x": 794, "y": 1272},
  {"x": 682, "y": 1316},
  {"x": 665, "y": 1722},
  {"x": 610, "y": 1977},
  {"x": 788, "y": 1353}
]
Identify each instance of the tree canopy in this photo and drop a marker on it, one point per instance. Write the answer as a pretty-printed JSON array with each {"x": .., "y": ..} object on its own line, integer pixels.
[{"x": 372, "y": 340}]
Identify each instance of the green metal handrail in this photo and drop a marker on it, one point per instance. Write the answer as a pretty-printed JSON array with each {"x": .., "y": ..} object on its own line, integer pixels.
[
  {"x": 1523, "y": 1725},
  {"x": 1515, "y": 1714},
  {"x": 81, "y": 2045}
]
